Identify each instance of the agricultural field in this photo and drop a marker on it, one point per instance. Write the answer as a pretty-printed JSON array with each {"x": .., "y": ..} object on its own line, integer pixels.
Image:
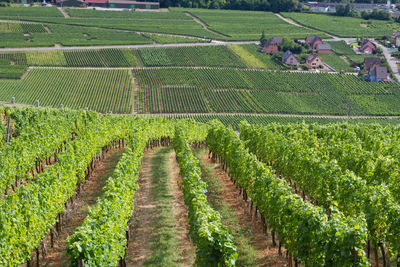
[
  {"x": 169, "y": 39},
  {"x": 234, "y": 120},
  {"x": 154, "y": 22},
  {"x": 253, "y": 58},
  {"x": 254, "y": 91},
  {"x": 299, "y": 186},
  {"x": 215, "y": 56},
  {"x": 344, "y": 26},
  {"x": 337, "y": 62},
  {"x": 100, "y": 90},
  {"x": 20, "y": 27},
  {"x": 248, "y": 25},
  {"x": 70, "y": 36}
]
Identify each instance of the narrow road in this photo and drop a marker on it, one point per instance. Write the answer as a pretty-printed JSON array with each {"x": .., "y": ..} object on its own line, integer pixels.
[
  {"x": 214, "y": 43},
  {"x": 392, "y": 61}
]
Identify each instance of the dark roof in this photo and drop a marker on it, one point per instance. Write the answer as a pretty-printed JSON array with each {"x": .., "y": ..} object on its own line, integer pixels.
[
  {"x": 274, "y": 40},
  {"x": 380, "y": 72},
  {"x": 132, "y": 2},
  {"x": 371, "y": 61},
  {"x": 324, "y": 47},
  {"x": 286, "y": 55}
]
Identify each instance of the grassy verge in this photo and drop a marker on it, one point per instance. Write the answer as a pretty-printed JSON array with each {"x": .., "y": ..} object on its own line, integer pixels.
[
  {"x": 216, "y": 197},
  {"x": 164, "y": 241}
]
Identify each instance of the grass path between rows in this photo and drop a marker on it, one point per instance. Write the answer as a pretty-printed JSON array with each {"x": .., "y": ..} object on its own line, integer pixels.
[
  {"x": 57, "y": 255},
  {"x": 160, "y": 228},
  {"x": 254, "y": 247}
]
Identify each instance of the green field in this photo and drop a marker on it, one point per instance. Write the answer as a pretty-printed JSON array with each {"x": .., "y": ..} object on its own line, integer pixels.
[
  {"x": 337, "y": 62},
  {"x": 344, "y": 26},
  {"x": 230, "y": 90},
  {"x": 248, "y": 25},
  {"x": 234, "y": 120},
  {"x": 100, "y": 90}
]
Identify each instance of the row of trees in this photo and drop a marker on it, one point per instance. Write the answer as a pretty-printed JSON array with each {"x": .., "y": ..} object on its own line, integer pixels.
[{"x": 348, "y": 11}]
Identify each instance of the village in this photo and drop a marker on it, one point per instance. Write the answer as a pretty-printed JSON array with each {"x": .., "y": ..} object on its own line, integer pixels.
[{"x": 307, "y": 55}]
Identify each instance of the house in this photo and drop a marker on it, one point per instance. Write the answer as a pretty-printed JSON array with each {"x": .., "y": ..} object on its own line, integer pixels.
[
  {"x": 125, "y": 4},
  {"x": 378, "y": 74},
  {"x": 324, "y": 49},
  {"x": 97, "y": 3},
  {"x": 367, "y": 47},
  {"x": 313, "y": 41},
  {"x": 289, "y": 58},
  {"x": 314, "y": 61},
  {"x": 396, "y": 38},
  {"x": 133, "y": 4},
  {"x": 370, "y": 62},
  {"x": 272, "y": 45}
]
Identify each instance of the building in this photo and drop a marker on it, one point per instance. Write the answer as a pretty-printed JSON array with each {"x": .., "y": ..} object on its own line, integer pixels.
[
  {"x": 289, "y": 58},
  {"x": 324, "y": 49},
  {"x": 272, "y": 45},
  {"x": 313, "y": 41},
  {"x": 378, "y": 74},
  {"x": 133, "y": 4},
  {"x": 396, "y": 38},
  {"x": 125, "y": 4},
  {"x": 331, "y": 7},
  {"x": 370, "y": 62},
  {"x": 314, "y": 61},
  {"x": 96, "y": 3},
  {"x": 367, "y": 47}
]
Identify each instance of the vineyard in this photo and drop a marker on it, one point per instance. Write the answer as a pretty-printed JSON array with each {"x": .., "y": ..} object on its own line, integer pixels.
[
  {"x": 255, "y": 91},
  {"x": 101, "y": 90},
  {"x": 344, "y": 26},
  {"x": 247, "y": 25},
  {"x": 318, "y": 194}
]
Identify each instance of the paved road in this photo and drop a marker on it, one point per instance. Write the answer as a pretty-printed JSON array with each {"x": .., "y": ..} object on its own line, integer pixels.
[
  {"x": 392, "y": 61},
  {"x": 213, "y": 43}
]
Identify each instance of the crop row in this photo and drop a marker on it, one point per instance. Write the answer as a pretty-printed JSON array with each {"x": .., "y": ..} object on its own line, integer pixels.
[
  {"x": 100, "y": 90},
  {"x": 320, "y": 172},
  {"x": 305, "y": 230},
  {"x": 235, "y": 90}
]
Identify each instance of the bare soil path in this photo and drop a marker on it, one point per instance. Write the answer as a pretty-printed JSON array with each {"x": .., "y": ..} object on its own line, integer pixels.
[
  {"x": 204, "y": 25},
  {"x": 92, "y": 189},
  {"x": 64, "y": 12},
  {"x": 254, "y": 246},
  {"x": 160, "y": 228}
]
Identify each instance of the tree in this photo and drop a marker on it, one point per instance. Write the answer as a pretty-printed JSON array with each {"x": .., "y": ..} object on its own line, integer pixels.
[
  {"x": 344, "y": 11},
  {"x": 263, "y": 40},
  {"x": 288, "y": 44}
]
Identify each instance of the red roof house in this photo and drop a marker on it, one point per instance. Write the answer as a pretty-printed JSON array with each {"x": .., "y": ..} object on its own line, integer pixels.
[
  {"x": 367, "y": 47},
  {"x": 313, "y": 41},
  {"x": 314, "y": 61},
  {"x": 272, "y": 45}
]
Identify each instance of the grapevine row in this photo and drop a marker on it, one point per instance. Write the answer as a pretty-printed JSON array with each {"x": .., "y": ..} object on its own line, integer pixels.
[
  {"x": 309, "y": 234},
  {"x": 214, "y": 241}
]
